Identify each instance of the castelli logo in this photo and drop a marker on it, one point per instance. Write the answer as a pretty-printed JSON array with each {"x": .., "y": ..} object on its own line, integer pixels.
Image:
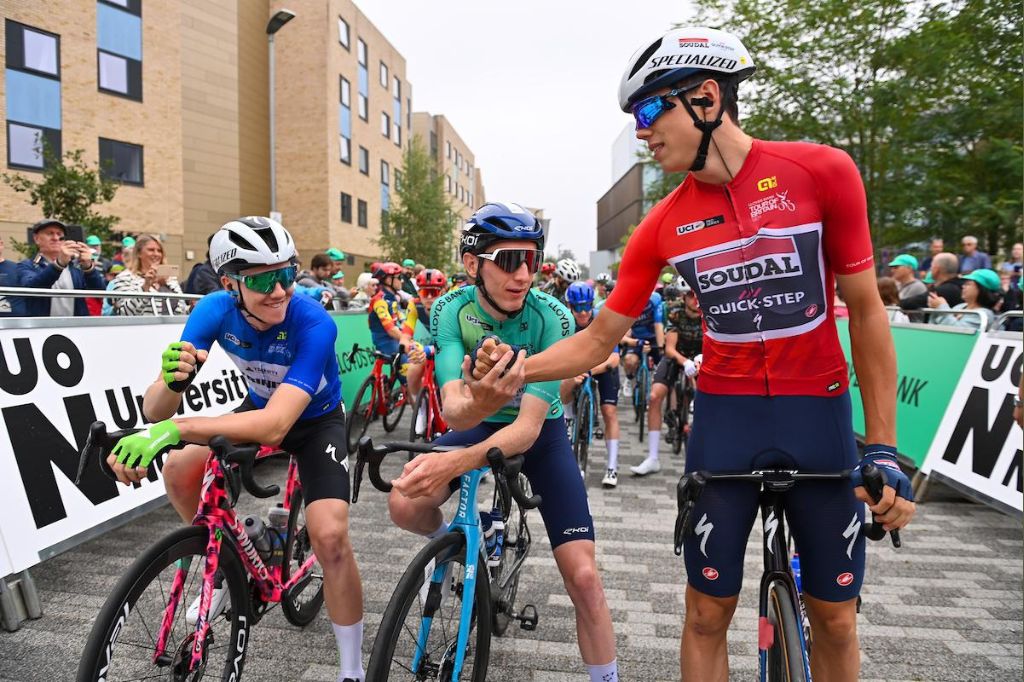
[
  {"x": 844, "y": 579},
  {"x": 811, "y": 311},
  {"x": 712, "y": 574}
]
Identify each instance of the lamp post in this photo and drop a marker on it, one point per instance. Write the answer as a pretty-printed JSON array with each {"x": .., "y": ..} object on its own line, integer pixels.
[{"x": 280, "y": 18}]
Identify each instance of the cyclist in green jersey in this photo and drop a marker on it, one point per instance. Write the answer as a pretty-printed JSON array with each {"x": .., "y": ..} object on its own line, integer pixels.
[{"x": 502, "y": 248}]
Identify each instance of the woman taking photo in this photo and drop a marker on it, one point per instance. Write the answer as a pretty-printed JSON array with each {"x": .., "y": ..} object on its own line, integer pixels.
[
  {"x": 143, "y": 274},
  {"x": 981, "y": 292}
]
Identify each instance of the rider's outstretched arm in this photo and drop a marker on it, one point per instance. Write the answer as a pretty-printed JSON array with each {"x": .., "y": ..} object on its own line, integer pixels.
[
  {"x": 580, "y": 352},
  {"x": 268, "y": 425}
]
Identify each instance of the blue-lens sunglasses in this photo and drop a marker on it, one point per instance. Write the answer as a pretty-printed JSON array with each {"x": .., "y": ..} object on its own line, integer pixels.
[{"x": 650, "y": 109}]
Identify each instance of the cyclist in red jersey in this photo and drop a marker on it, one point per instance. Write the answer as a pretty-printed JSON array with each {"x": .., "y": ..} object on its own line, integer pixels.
[{"x": 762, "y": 231}]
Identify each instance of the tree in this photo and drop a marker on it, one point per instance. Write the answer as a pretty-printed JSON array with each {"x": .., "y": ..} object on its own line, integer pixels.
[
  {"x": 68, "y": 191},
  {"x": 926, "y": 98},
  {"x": 420, "y": 224}
]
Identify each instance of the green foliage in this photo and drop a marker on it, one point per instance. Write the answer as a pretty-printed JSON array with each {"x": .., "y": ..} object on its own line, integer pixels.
[
  {"x": 420, "y": 224},
  {"x": 926, "y": 97},
  {"x": 68, "y": 191}
]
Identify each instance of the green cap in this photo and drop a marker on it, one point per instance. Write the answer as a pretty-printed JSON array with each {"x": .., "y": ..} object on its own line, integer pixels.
[
  {"x": 986, "y": 278},
  {"x": 335, "y": 254},
  {"x": 128, "y": 242},
  {"x": 338, "y": 275},
  {"x": 408, "y": 263},
  {"x": 116, "y": 268},
  {"x": 904, "y": 259},
  {"x": 928, "y": 279},
  {"x": 92, "y": 240}
]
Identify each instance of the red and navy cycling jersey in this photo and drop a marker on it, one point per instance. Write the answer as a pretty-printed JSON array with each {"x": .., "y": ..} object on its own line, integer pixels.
[{"x": 761, "y": 253}]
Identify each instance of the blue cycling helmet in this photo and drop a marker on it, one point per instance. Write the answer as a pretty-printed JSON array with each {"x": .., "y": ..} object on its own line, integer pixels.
[
  {"x": 579, "y": 293},
  {"x": 496, "y": 221}
]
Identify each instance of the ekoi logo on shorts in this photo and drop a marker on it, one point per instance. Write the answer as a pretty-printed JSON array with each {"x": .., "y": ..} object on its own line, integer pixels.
[
  {"x": 710, "y": 573},
  {"x": 844, "y": 579}
]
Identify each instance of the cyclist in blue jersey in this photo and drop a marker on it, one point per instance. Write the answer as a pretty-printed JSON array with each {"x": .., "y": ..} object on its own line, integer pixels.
[
  {"x": 648, "y": 329},
  {"x": 502, "y": 248},
  {"x": 284, "y": 346},
  {"x": 580, "y": 297}
]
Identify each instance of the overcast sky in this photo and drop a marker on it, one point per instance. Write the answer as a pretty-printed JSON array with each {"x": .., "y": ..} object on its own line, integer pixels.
[{"x": 531, "y": 87}]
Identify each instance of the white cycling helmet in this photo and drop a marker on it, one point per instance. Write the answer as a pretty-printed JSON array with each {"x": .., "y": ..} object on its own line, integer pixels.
[
  {"x": 247, "y": 242},
  {"x": 567, "y": 270},
  {"x": 603, "y": 278},
  {"x": 679, "y": 54}
]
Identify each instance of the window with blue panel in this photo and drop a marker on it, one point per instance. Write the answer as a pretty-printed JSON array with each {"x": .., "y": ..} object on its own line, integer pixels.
[
  {"x": 119, "y": 47},
  {"x": 345, "y": 120},
  {"x": 33, "y": 95}
]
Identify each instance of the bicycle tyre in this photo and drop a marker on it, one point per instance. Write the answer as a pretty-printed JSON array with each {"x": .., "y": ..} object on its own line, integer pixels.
[
  {"x": 581, "y": 443},
  {"x": 296, "y": 548},
  {"x": 681, "y": 409},
  {"x": 643, "y": 389},
  {"x": 382, "y": 664},
  {"x": 516, "y": 546},
  {"x": 362, "y": 414},
  {"x": 395, "y": 407},
  {"x": 114, "y": 624},
  {"x": 784, "y": 660}
]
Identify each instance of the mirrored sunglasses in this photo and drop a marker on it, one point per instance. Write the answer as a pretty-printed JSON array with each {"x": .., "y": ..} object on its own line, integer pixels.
[
  {"x": 265, "y": 282},
  {"x": 582, "y": 307},
  {"x": 650, "y": 109},
  {"x": 511, "y": 260}
]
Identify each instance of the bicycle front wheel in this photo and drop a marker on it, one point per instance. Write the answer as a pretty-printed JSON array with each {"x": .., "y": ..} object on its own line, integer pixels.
[
  {"x": 505, "y": 578},
  {"x": 395, "y": 407},
  {"x": 303, "y": 601},
  {"x": 362, "y": 414},
  {"x": 410, "y": 646},
  {"x": 643, "y": 388},
  {"x": 784, "y": 661},
  {"x": 123, "y": 641}
]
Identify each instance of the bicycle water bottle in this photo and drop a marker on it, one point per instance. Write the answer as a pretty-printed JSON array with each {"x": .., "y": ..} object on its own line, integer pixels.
[
  {"x": 794, "y": 563},
  {"x": 498, "y": 526},
  {"x": 256, "y": 529},
  {"x": 277, "y": 519}
]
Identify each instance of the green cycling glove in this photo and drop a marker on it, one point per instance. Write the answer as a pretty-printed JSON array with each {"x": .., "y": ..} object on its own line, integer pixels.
[
  {"x": 170, "y": 361},
  {"x": 140, "y": 449}
]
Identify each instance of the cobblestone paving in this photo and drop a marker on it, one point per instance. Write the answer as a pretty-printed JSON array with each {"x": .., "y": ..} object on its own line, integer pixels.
[{"x": 947, "y": 606}]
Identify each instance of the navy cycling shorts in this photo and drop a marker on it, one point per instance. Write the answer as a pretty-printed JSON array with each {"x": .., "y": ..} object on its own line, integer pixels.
[
  {"x": 608, "y": 386},
  {"x": 653, "y": 352},
  {"x": 551, "y": 469},
  {"x": 741, "y": 433}
]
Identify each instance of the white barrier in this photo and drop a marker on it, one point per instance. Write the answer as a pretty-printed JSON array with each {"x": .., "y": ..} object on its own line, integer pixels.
[
  {"x": 56, "y": 378},
  {"x": 978, "y": 447}
]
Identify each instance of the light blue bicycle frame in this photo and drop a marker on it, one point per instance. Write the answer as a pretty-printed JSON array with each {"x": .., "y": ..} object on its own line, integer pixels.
[
  {"x": 467, "y": 522},
  {"x": 587, "y": 387}
]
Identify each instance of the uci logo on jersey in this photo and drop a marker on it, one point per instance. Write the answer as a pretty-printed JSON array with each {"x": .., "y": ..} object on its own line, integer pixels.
[{"x": 700, "y": 224}]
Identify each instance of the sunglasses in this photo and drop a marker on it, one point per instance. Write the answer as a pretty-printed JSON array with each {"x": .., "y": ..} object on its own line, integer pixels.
[
  {"x": 581, "y": 307},
  {"x": 650, "y": 109},
  {"x": 430, "y": 293},
  {"x": 510, "y": 260},
  {"x": 266, "y": 282}
]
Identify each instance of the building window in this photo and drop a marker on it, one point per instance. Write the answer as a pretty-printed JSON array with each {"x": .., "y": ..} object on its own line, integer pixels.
[
  {"x": 364, "y": 160},
  {"x": 433, "y": 144},
  {"x": 344, "y": 120},
  {"x": 133, "y": 6},
  {"x": 447, "y": 149},
  {"x": 346, "y": 208},
  {"x": 398, "y": 180},
  {"x": 385, "y": 173},
  {"x": 344, "y": 150},
  {"x": 361, "y": 209},
  {"x": 364, "y": 107},
  {"x": 121, "y": 161},
  {"x": 33, "y": 95},
  {"x": 361, "y": 52},
  {"x": 385, "y": 124},
  {"x": 119, "y": 49},
  {"x": 383, "y": 75},
  {"x": 397, "y": 134},
  {"x": 345, "y": 92},
  {"x": 343, "y": 36},
  {"x": 396, "y": 88},
  {"x": 448, "y": 184}
]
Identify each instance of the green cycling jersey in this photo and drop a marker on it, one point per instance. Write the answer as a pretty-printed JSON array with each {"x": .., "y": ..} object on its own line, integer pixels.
[{"x": 458, "y": 322}]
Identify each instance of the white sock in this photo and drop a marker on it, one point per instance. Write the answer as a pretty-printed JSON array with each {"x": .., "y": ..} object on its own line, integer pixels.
[
  {"x": 653, "y": 439},
  {"x": 350, "y": 645},
  {"x": 441, "y": 530},
  {"x": 613, "y": 452},
  {"x": 609, "y": 672}
]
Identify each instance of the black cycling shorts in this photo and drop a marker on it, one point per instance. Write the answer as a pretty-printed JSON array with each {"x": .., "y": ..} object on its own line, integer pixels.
[
  {"x": 321, "y": 454},
  {"x": 666, "y": 372},
  {"x": 551, "y": 468}
]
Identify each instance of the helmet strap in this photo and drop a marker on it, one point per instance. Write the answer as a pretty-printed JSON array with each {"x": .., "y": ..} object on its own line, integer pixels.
[
  {"x": 706, "y": 127},
  {"x": 240, "y": 304},
  {"x": 479, "y": 280}
]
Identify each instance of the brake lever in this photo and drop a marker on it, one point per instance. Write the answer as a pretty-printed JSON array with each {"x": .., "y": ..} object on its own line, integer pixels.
[
  {"x": 874, "y": 484},
  {"x": 508, "y": 468}
]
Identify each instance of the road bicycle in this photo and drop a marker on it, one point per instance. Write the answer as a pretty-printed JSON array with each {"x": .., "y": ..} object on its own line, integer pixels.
[
  {"x": 678, "y": 411},
  {"x": 142, "y": 631},
  {"x": 642, "y": 388},
  {"x": 582, "y": 427},
  {"x": 784, "y": 638},
  {"x": 380, "y": 395},
  {"x": 429, "y": 401},
  {"x": 443, "y": 632}
]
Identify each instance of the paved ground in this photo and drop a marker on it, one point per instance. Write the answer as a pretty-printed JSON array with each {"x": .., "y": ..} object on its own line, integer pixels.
[{"x": 947, "y": 606}]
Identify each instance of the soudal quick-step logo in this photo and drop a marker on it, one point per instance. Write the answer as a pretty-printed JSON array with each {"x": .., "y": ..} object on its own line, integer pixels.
[
  {"x": 693, "y": 42},
  {"x": 779, "y": 201},
  {"x": 764, "y": 259}
]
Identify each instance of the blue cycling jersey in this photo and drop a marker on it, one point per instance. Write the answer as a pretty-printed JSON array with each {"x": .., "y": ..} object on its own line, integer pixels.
[
  {"x": 299, "y": 351},
  {"x": 653, "y": 312}
]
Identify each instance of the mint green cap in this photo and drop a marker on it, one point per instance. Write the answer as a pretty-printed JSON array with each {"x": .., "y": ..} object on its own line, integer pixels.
[
  {"x": 335, "y": 254},
  {"x": 92, "y": 240},
  {"x": 904, "y": 259},
  {"x": 128, "y": 242},
  {"x": 408, "y": 263},
  {"x": 986, "y": 278}
]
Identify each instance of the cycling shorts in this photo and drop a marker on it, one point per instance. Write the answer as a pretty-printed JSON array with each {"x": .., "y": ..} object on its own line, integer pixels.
[
  {"x": 666, "y": 372},
  {"x": 321, "y": 454},
  {"x": 653, "y": 352},
  {"x": 809, "y": 433},
  {"x": 389, "y": 346},
  {"x": 608, "y": 386},
  {"x": 551, "y": 469}
]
